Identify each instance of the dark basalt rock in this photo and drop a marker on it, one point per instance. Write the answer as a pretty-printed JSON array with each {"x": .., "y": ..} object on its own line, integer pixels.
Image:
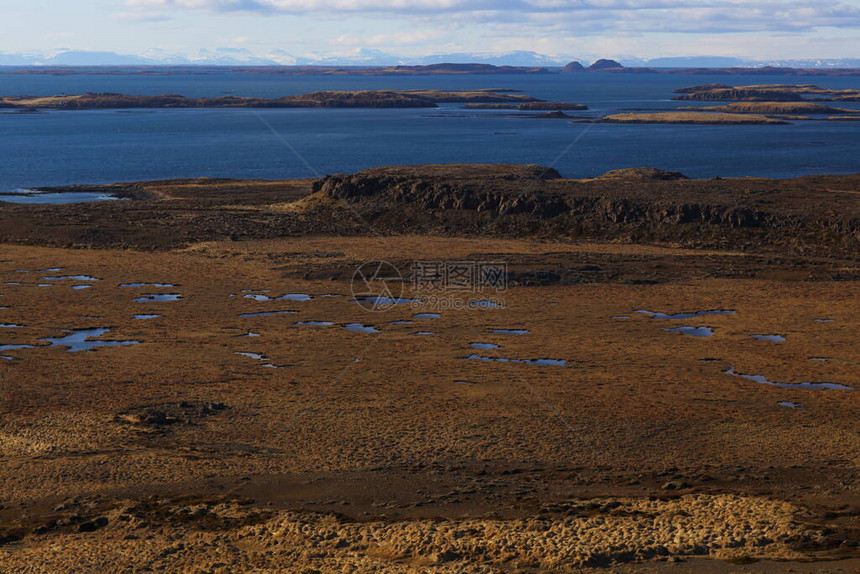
[
  {"x": 604, "y": 64},
  {"x": 185, "y": 412},
  {"x": 643, "y": 174},
  {"x": 573, "y": 67}
]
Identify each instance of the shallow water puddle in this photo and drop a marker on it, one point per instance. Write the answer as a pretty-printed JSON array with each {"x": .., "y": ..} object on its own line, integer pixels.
[
  {"x": 511, "y": 331},
  {"x": 266, "y": 314},
  {"x": 10, "y": 326},
  {"x": 145, "y": 317},
  {"x": 359, "y": 328},
  {"x": 773, "y": 338},
  {"x": 426, "y": 316},
  {"x": 790, "y": 405},
  {"x": 255, "y": 356},
  {"x": 158, "y": 297},
  {"x": 542, "y": 362},
  {"x": 425, "y": 333},
  {"x": 824, "y": 320},
  {"x": 267, "y": 362},
  {"x": 383, "y": 301},
  {"x": 315, "y": 323},
  {"x": 658, "y": 315},
  {"x": 81, "y": 287},
  {"x": 401, "y": 322},
  {"x": 72, "y": 278},
  {"x": 819, "y": 359},
  {"x": 763, "y": 380},
  {"x": 249, "y": 334},
  {"x": 288, "y": 297},
  {"x": 620, "y": 317},
  {"x": 154, "y": 285},
  {"x": 484, "y": 346},
  {"x": 693, "y": 331},
  {"x": 45, "y": 285},
  {"x": 79, "y": 340},
  {"x": 6, "y": 348}
]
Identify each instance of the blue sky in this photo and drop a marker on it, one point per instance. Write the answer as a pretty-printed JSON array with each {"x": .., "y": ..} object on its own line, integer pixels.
[{"x": 644, "y": 28}]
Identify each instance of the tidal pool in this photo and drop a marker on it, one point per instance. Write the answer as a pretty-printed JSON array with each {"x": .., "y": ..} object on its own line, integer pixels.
[
  {"x": 10, "y": 326},
  {"x": 425, "y": 333},
  {"x": 145, "y": 317},
  {"x": 81, "y": 287},
  {"x": 426, "y": 316},
  {"x": 773, "y": 338},
  {"x": 693, "y": 331},
  {"x": 383, "y": 301},
  {"x": 484, "y": 346},
  {"x": 790, "y": 405},
  {"x": 80, "y": 340},
  {"x": 158, "y": 297},
  {"x": 266, "y": 314},
  {"x": 806, "y": 385},
  {"x": 5, "y": 348},
  {"x": 511, "y": 331},
  {"x": 155, "y": 285},
  {"x": 542, "y": 362},
  {"x": 359, "y": 328},
  {"x": 316, "y": 323},
  {"x": 658, "y": 315},
  {"x": 288, "y": 297},
  {"x": 72, "y": 278}
]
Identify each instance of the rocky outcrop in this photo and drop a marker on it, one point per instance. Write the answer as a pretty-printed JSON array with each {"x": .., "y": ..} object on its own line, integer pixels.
[
  {"x": 642, "y": 174},
  {"x": 701, "y": 118},
  {"x": 604, "y": 64},
  {"x": 573, "y": 67},
  {"x": 766, "y": 93},
  {"x": 640, "y": 202},
  {"x": 531, "y": 106}
]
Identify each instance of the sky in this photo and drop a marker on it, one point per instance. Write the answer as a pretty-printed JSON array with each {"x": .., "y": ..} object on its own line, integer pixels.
[{"x": 755, "y": 29}]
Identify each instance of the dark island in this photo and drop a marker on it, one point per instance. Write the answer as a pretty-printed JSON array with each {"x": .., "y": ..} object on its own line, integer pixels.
[{"x": 325, "y": 99}]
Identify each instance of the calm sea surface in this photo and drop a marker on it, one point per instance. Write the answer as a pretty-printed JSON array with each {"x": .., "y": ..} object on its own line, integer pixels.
[{"x": 57, "y": 148}]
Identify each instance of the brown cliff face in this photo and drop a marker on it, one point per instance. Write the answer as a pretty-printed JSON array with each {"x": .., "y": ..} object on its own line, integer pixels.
[
  {"x": 649, "y": 204},
  {"x": 766, "y": 93}
]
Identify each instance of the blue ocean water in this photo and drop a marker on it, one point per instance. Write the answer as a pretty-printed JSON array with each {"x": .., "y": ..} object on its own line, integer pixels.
[{"x": 58, "y": 148}]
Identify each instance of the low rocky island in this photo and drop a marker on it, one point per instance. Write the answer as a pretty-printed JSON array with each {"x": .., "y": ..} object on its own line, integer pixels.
[
  {"x": 703, "y": 118},
  {"x": 325, "y": 99},
  {"x": 766, "y": 93},
  {"x": 773, "y": 108},
  {"x": 528, "y": 106}
]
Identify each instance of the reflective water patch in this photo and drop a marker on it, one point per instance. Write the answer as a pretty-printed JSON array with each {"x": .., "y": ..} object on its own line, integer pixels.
[
  {"x": 359, "y": 328},
  {"x": 773, "y": 338},
  {"x": 693, "y": 315},
  {"x": 158, "y": 297},
  {"x": 693, "y": 331},
  {"x": 542, "y": 362},
  {"x": 266, "y": 314},
  {"x": 80, "y": 340},
  {"x": 806, "y": 385}
]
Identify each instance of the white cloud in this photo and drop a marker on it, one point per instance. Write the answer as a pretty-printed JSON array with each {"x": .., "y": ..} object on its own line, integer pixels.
[
  {"x": 412, "y": 38},
  {"x": 562, "y": 16}
]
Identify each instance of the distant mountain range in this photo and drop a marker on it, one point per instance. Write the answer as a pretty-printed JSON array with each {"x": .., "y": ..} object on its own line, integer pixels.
[{"x": 368, "y": 57}]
